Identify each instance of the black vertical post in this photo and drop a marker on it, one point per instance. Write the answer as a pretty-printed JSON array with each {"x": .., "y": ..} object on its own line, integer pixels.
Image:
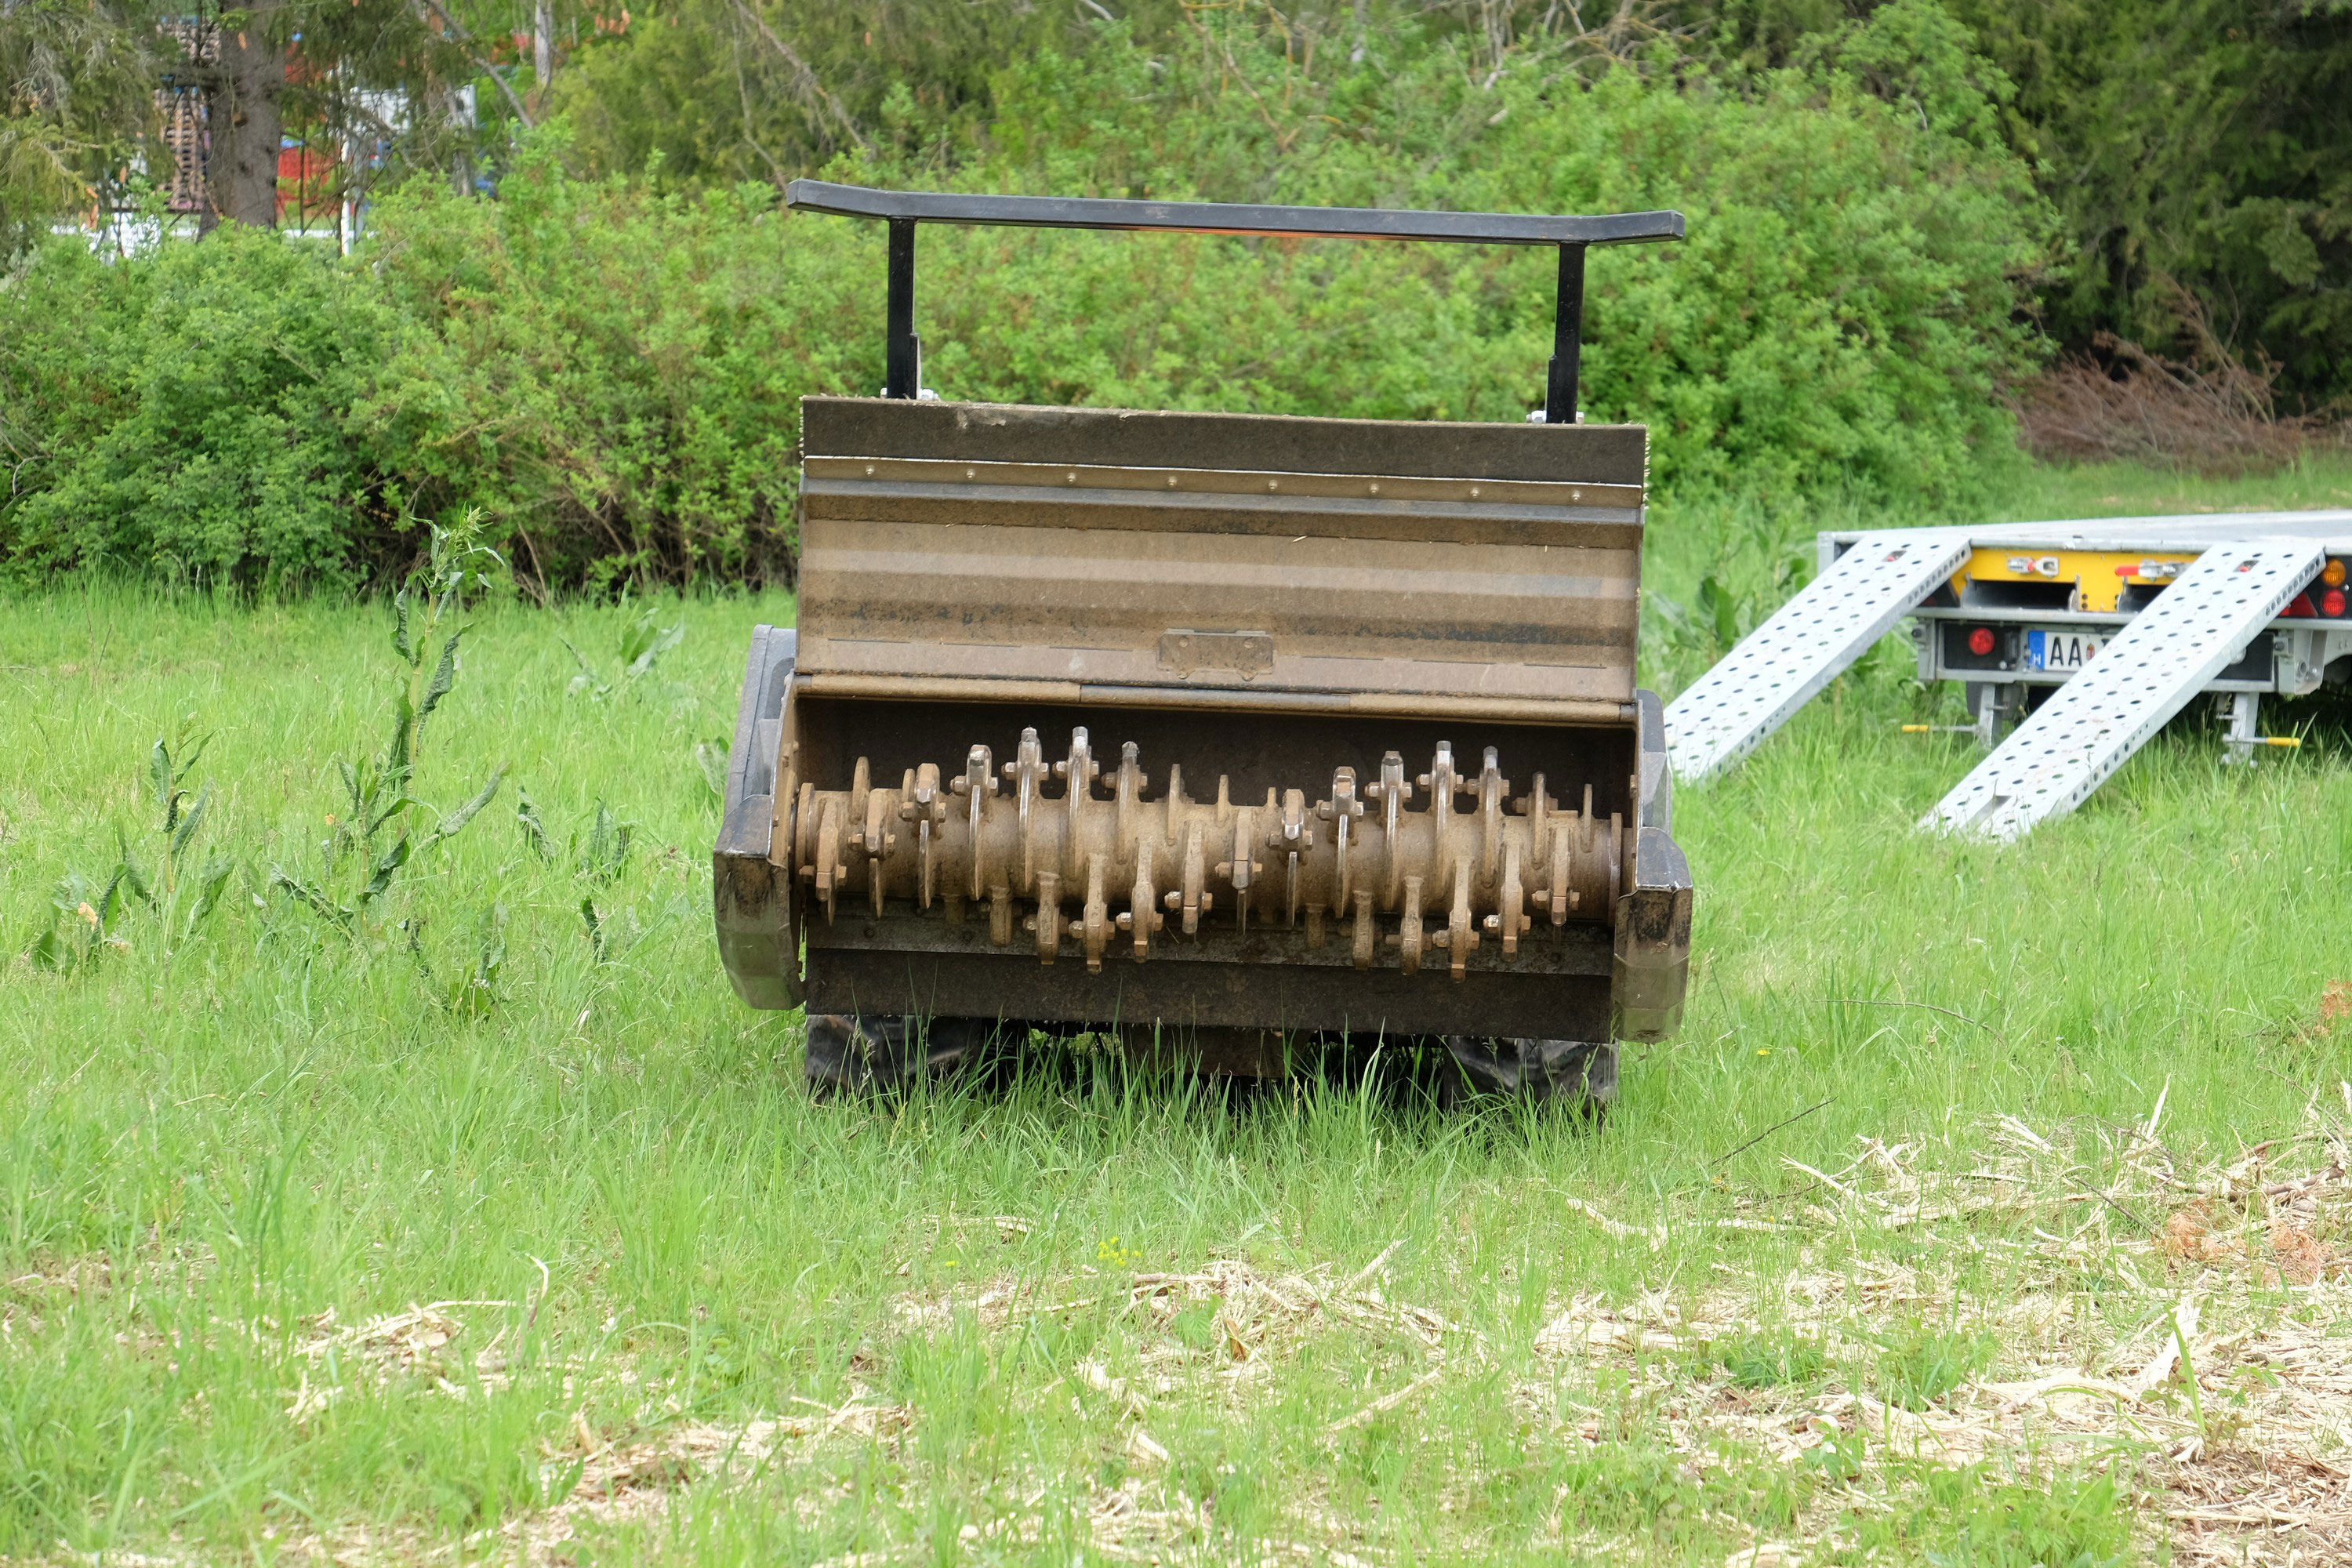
[
  {"x": 1567, "y": 338},
  {"x": 902, "y": 360}
]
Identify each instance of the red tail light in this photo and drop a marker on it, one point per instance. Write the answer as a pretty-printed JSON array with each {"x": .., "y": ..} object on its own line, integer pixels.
[
  {"x": 2298, "y": 608},
  {"x": 2331, "y": 603},
  {"x": 1980, "y": 639}
]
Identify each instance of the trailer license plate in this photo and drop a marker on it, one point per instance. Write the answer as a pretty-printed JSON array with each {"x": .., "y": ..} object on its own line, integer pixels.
[{"x": 2056, "y": 648}]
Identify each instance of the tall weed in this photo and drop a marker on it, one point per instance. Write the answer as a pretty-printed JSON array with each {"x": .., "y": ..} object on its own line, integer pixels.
[
  {"x": 90, "y": 916},
  {"x": 380, "y": 831}
]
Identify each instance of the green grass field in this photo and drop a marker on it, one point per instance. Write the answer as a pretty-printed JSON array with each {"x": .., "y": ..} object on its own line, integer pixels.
[{"x": 489, "y": 1230}]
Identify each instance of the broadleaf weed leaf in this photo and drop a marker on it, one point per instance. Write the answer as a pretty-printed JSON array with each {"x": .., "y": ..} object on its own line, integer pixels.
[
  {"x": 400, "y": 757},
  {"x": 445, "y": 676},
  {"x": 387, "y": 866},
  {"x": 127, "y": 876},
  {"x": 644, "y": 643},
  {"x": 400, "y": 644},
  {"x": 534, "y": 832},
  {"x": 392, "y": 808},
  {"x": 455, "y": 822},
  {"x": 312, "y": 899},
  {"x": 209, "y": 887},
  {"x": 185, "y": 832},
  {"x": 608, "y": 849},
  {"x": 111, "y": 903}
]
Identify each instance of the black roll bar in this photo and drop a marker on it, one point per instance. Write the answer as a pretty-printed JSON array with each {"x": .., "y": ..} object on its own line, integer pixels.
[{"x": 902, "y": 210}]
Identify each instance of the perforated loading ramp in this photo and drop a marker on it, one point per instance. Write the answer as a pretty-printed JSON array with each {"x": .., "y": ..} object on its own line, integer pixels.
[
  {"x": 1777, "y": 668},
  {"x": 2052, "y": 763}
]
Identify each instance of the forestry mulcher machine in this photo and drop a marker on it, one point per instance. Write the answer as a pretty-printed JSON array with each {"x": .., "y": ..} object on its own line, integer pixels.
[{"x": 1235, "y": 734}]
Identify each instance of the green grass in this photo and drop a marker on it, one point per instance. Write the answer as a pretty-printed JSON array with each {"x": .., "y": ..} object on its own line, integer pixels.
[{"x": 666, "y": 1309}]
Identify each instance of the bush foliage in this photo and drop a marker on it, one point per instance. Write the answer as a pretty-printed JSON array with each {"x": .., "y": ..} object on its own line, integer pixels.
[
  {"x": 609, "y": 368},
  {"x": 2197, "y": 150},
  {"x": 189, "y": 413},
  {"x": 611, "y": 373}
]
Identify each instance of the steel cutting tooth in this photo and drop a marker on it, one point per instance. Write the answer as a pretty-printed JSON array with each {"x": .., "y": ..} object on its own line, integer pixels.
[{"x": 1016, "y": 851}]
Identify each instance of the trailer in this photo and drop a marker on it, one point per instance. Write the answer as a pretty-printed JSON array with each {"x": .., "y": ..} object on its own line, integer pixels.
[{"x": 2074, "y": 641}]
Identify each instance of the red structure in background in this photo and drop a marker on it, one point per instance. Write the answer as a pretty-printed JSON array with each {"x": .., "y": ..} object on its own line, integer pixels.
[{"x": 305, "y": 185}]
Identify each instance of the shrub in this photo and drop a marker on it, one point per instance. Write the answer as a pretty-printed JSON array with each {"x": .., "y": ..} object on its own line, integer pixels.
[
  {"x": 610, "y": 371},
  {"x": 187, "y": 415},
  {"x": 1841, "y": 314}
]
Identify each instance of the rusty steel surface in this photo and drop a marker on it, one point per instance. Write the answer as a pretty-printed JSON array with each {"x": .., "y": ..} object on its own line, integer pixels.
[
  {"x": 1431, "y": 566},
  {"x": 1239, "y": 993},
  {"x": 1084, "y": 864},
  {"x": 1283, "y": 728},
  {"x": 1279, "y": 442}
]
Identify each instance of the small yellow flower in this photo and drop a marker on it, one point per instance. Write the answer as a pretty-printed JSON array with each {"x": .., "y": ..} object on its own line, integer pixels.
[
  {"x": 330, "y": 819},
  {"x": 1763, "y": 1050},
  {"x": 88, "y": 915}
]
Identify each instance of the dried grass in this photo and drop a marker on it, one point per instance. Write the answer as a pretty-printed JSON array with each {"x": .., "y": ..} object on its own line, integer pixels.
[
  {"x": 620, "y": 1481},
  {"x": 2335, "y": 1008},
  {"x": 2235, "y": 1387},
  {"x": 2123, "y": 404},
  {"x": 1255, "y": 1311},
  {"x": 2237, "y": 1505},
  {"x": 27, "y": 1300},
  {"x": 411, "y": 1342},
  {"x": 1260, "y": 1319}
]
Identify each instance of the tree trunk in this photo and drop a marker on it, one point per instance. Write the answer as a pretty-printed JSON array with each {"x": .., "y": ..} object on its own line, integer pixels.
[
  {"x": 542, "y": 44},
  {"x": 242, "y": 115}
]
